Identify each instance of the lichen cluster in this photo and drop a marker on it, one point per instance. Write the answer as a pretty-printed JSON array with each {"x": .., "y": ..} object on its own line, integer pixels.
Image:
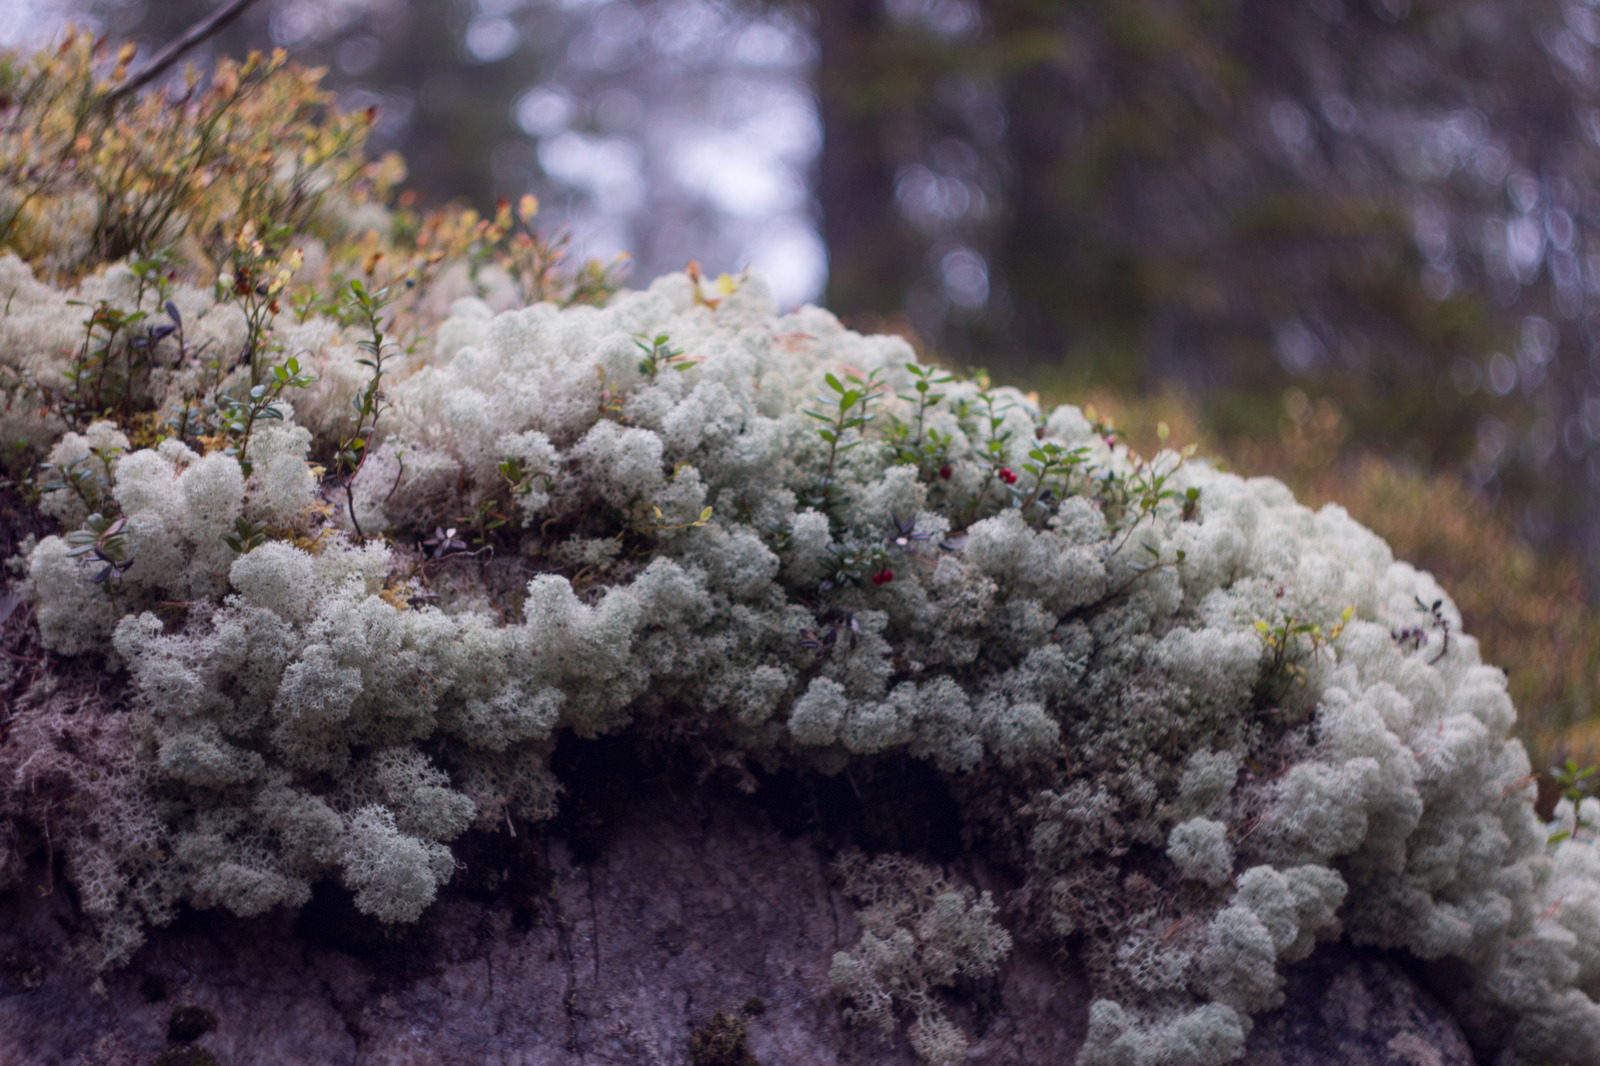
[{"x": 1204, "y": 727}]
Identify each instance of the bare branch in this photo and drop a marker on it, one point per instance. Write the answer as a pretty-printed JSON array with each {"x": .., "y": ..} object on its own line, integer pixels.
[{"x": 164, "y": 59}]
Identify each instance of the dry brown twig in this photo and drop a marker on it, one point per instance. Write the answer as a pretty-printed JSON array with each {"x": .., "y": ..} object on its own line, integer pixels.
[{"x": 163, "y": 60}]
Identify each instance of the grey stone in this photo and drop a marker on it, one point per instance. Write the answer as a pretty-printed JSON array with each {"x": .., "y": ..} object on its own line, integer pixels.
[
  {"x": 691, "y": 908},
  {"x": 680, "y": 917},
  {"x": 1344, "y": 1007}
]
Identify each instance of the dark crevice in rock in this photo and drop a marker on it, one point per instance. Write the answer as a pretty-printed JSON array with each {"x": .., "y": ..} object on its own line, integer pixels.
[
  {"x": 396, "y": 954},
  {"x": 492, "y": 866},
  {"x": 894, "y": 803},
  {"x": 890, "y": 803}
]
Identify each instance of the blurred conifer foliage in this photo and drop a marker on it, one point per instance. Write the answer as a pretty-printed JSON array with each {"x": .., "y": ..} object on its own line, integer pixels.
[
  {"x": 1389, "y": 203},
  {"x": 1386, "y": 202}
]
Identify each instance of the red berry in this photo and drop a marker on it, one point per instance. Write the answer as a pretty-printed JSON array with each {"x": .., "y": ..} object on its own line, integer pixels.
[
  {"x": 944, "y": 471},
  {"x": 883, "y": 577},
  {"x": 1007, "y": 476}
]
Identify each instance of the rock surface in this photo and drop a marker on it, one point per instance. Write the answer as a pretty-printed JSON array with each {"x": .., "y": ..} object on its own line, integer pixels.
[
  {"x": 689, "y": 909},
  {"x": 1345, "y": 1008}
]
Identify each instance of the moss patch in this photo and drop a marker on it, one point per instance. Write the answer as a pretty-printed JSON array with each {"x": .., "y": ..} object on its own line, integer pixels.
[{"x": 721, "y": 1042}]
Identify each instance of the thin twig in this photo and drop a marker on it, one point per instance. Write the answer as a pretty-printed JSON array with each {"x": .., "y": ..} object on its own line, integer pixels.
[{"x": 164, "y": 59}]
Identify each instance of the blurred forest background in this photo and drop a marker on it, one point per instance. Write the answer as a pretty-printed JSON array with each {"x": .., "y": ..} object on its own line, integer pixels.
[{"x": 1351, "y": 243}]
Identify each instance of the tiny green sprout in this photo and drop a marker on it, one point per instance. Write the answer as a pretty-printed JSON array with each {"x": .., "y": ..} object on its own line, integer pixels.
[
  {"x": 515, "y": 474},
  {"x": 1285, "y": 639},
  {"x": 156, "y": 271},
  {"x": 1576, "y": 785},
  {"x": 520, "y": 480},
  {"x": 915, "y": 442},
  {"x": 246, "y": 535},
  {"x": 996, "y": 439},
  {"x": 103, "y": 538},
  {"x": 261, "y": 403},
  {"x": 486, "y": 518},
  {"x": 659, "y": 355},
  {"x": 77, "y": 476},
  {"x": 1048, "y": 461},
  {"x": 846, "y": 410},
  {"x": 367, "y": 308},
  {"x": 658, "y": 527},
  {"x": 306, "y": 303},
  {"x": 96, "y": 385},
  {"x": 1143, "y": 491},
  {"x": 1153, "y": 563}
]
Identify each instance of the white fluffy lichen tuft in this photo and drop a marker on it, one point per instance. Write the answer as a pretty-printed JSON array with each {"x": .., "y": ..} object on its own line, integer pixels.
[
  {"x": 919, "y": 933},
  {"x": 1188, "y": 687}
]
